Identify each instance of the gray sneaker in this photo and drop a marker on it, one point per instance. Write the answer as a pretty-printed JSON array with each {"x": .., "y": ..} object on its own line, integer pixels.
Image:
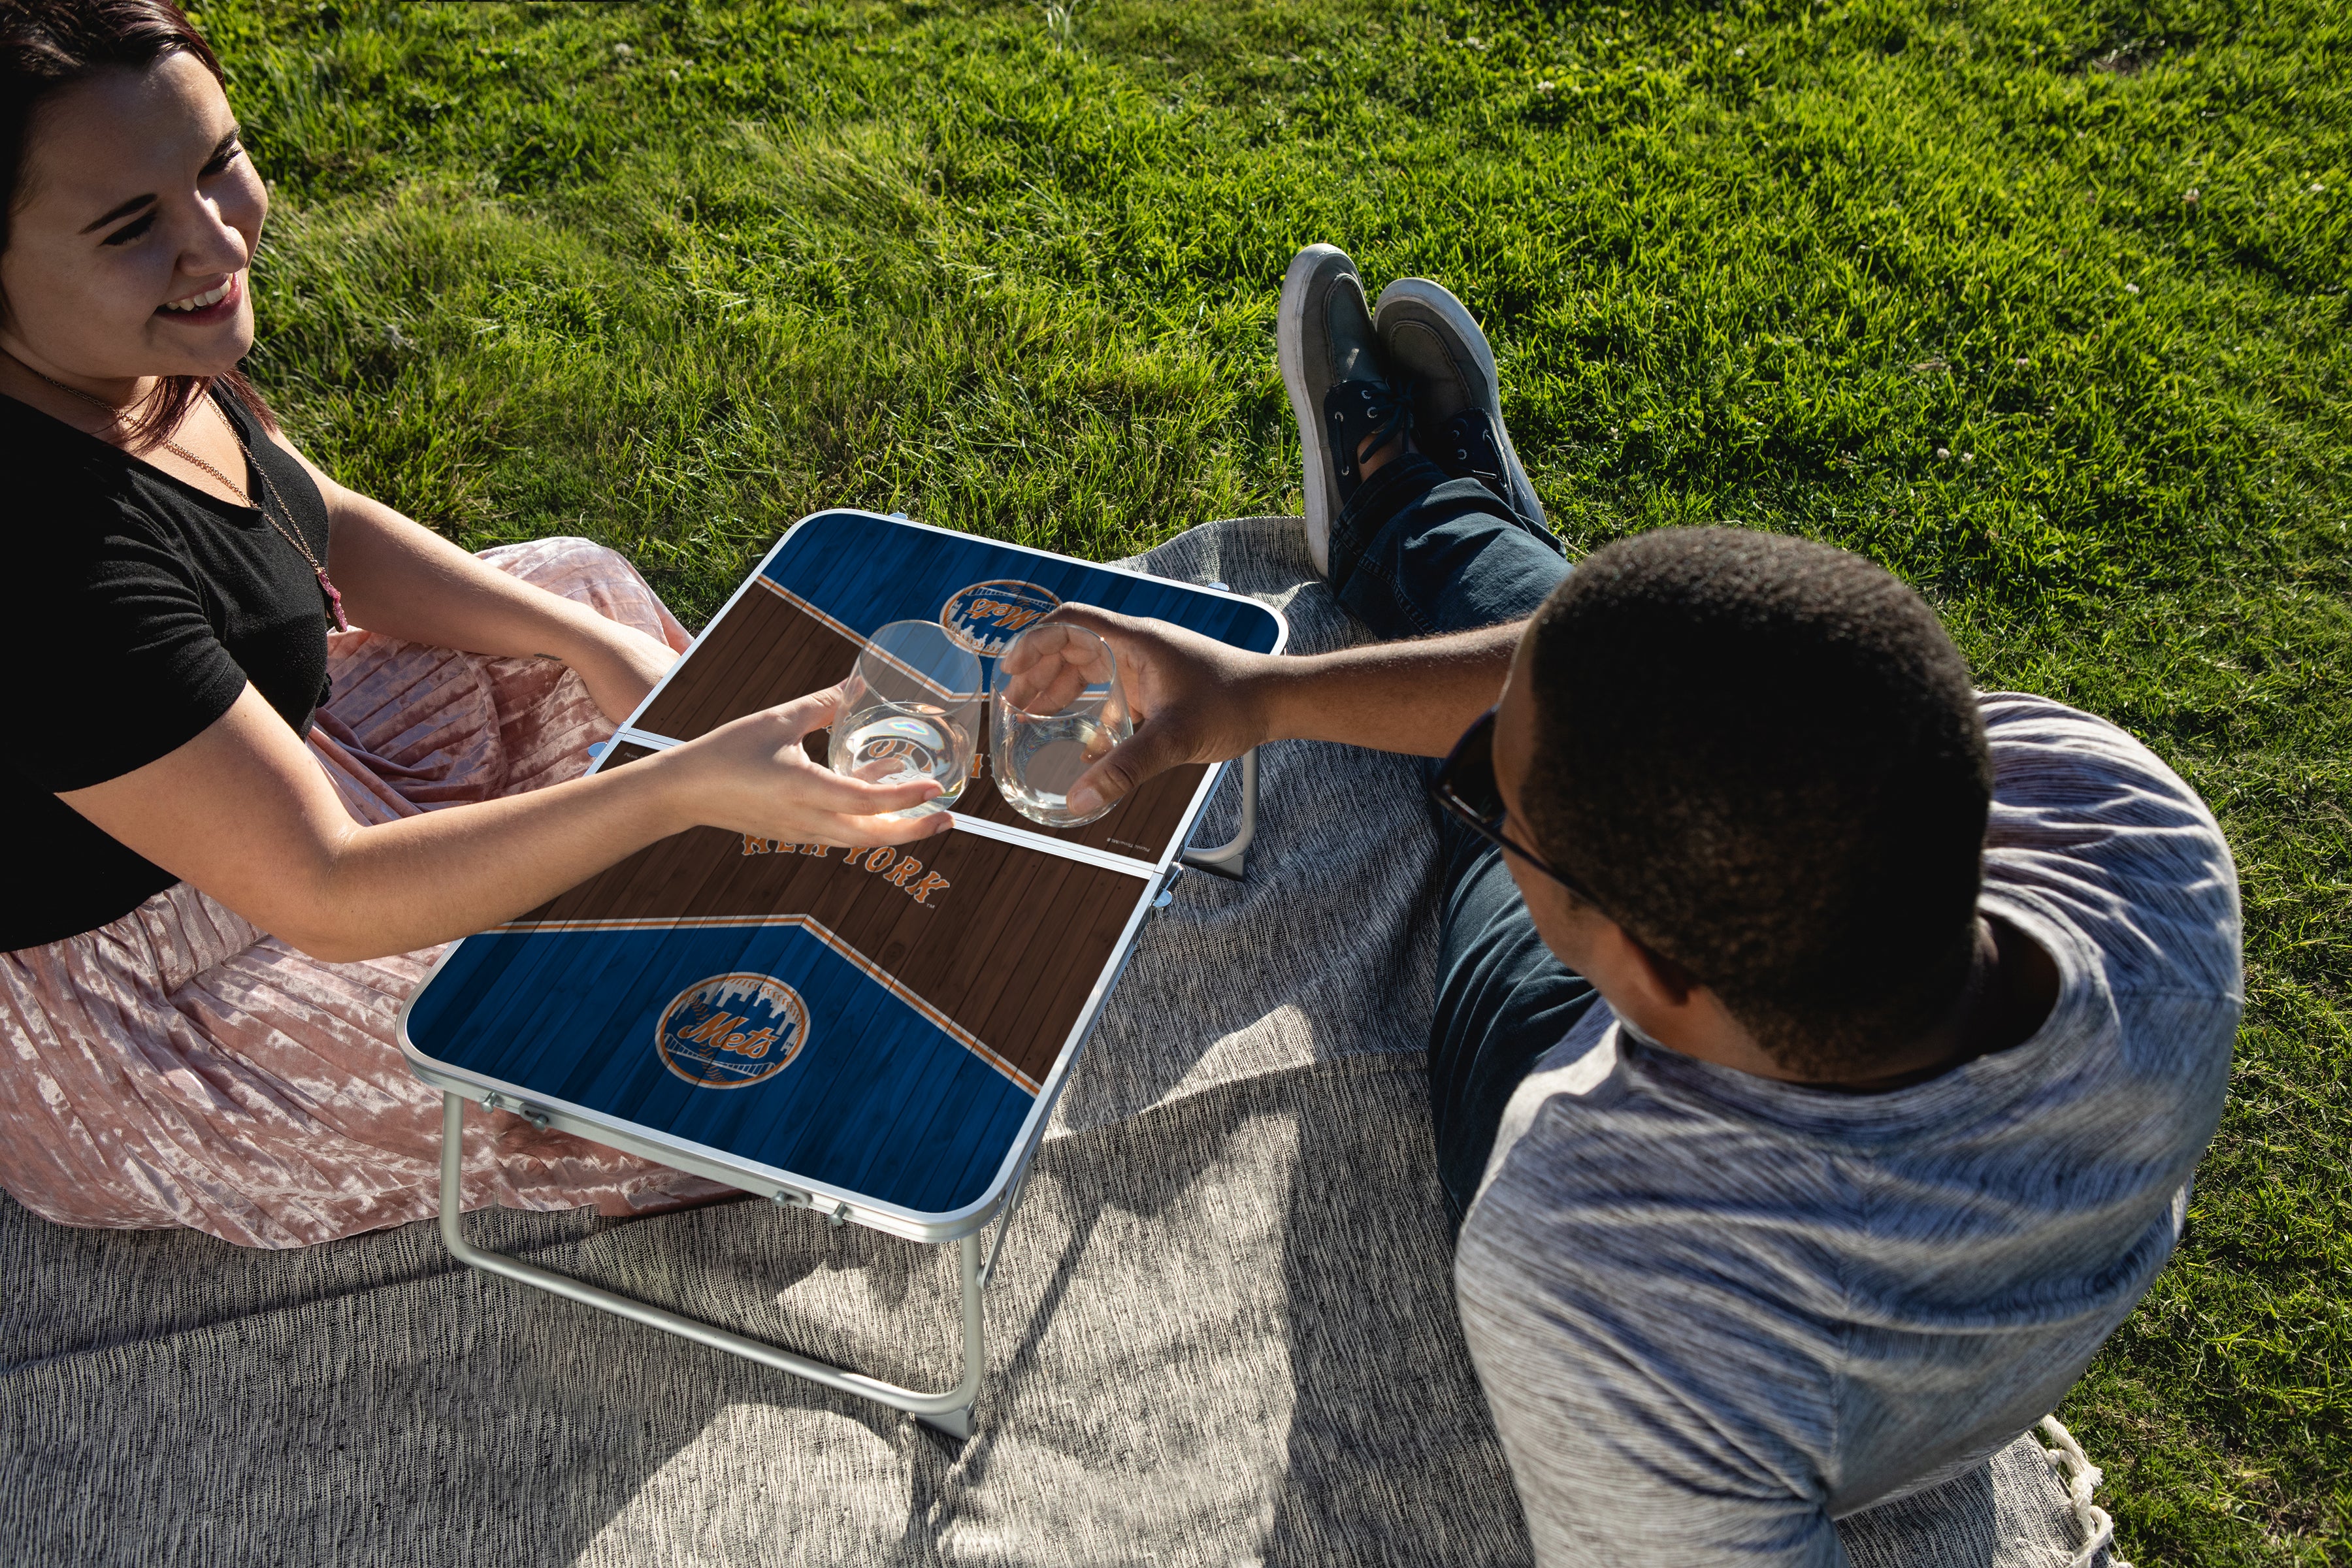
[
  {"x": 1435, "y": 346},
  {"x": 1338, "y": 380}
]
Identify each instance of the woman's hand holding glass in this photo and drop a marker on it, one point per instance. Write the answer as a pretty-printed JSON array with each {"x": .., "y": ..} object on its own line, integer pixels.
[
  {"x": 911, "y": 710},
  {"x": 754, "y": 776}
]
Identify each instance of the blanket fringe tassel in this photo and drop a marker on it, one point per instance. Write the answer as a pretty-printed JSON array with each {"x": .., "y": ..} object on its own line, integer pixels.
[{"x": 2073, "y": 1467}]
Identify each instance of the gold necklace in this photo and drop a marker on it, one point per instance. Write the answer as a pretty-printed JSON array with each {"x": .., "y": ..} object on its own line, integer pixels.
[{"x": 292, "y": 535}]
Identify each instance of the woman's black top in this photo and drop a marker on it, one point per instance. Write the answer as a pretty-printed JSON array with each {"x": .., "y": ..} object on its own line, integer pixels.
[{"x": 139, "y": 608}]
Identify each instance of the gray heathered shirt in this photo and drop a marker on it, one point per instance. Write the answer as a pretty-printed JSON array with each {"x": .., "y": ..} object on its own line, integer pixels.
[{"x": 1715, "y": 1312}]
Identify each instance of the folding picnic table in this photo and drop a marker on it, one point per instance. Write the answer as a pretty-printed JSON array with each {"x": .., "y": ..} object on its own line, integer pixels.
[{"x": 879, "y": 1036}]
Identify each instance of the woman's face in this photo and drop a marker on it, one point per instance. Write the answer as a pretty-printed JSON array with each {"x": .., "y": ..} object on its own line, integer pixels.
[{"x": 136, "y": 219}]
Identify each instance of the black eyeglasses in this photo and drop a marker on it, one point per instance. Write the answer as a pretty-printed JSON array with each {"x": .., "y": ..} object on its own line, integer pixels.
[{"x": 1464, "y": 786}]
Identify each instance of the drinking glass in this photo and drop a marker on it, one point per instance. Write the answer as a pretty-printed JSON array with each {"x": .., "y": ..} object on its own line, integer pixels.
[
  {"x": 912, "y": 712},
  {"x": 1055, "y": 709}
]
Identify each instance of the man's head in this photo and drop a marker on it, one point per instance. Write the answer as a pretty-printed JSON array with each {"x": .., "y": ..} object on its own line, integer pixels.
[{"x": 1764, "y": 758}]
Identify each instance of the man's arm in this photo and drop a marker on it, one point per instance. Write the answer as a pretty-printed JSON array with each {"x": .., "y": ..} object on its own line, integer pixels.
[{"x": 1198, "y": 701}]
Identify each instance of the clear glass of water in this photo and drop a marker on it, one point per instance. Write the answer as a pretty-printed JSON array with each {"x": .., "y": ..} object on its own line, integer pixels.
[
  {"x": 912, "y": 712},
  {"x": 1055, "y": 709}
]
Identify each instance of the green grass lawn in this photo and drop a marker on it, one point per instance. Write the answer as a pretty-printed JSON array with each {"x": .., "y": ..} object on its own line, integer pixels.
[{"x": 2040, "y": 304}]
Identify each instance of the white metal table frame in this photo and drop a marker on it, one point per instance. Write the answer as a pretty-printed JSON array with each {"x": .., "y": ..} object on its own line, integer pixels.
[{"x": 950, "y": 1411}]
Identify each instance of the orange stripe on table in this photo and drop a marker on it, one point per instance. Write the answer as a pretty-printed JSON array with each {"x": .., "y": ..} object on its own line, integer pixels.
[{"x": 901, "y": 666}]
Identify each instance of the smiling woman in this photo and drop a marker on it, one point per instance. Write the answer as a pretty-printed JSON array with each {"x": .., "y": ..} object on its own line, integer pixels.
[
  {"x": 106, "y": 275},
  {"x": 240, "y": 835}
]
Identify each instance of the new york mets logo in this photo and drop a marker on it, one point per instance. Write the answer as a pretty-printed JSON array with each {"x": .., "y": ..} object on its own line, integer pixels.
[
  {"x": 987, "y": 616},
  {"x": 732, "y": 1030}
]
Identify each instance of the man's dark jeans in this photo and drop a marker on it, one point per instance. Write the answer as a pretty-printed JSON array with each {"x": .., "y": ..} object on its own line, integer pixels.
[{"x": 1415, "y": 555}]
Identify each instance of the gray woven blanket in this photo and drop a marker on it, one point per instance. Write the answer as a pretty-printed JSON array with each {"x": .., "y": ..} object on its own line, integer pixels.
[{"x": 1223, "y": 1331}]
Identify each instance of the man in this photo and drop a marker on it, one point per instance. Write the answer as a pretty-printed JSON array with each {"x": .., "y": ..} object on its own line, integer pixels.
[{"x": 1822, "y": 1051}]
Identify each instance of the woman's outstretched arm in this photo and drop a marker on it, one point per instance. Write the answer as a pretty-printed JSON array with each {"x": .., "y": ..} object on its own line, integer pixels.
[{"x": 245, "y": 813}]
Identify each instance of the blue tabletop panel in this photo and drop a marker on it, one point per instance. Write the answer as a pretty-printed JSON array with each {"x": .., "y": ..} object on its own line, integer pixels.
[
  {"x": 866, "y": 571},
  {"x": 876, "y": 1098}
]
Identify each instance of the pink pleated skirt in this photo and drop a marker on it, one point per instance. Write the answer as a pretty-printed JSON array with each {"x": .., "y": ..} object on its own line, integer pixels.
[{"x": 182, "y": 1068}]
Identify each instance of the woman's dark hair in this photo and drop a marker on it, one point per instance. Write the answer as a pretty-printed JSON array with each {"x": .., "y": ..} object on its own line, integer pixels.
[
  {"x": 1764, "y": 757},
  {"x": 47, "y": 45}
]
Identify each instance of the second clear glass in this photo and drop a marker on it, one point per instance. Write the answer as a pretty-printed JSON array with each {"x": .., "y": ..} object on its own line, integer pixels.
[
  {"x": 1055, "y": 709},
  {"x": 912, "y": 712}
]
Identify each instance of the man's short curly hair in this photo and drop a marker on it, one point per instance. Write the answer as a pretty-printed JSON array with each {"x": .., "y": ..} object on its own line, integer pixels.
[{"x": 1764, "y": 757}]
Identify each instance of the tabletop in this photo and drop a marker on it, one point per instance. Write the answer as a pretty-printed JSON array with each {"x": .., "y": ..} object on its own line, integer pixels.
[{"x": 888, "y": 1027}]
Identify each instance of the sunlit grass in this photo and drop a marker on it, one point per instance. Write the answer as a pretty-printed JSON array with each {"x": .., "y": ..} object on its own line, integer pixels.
[{"x": 2041, "y": 305}]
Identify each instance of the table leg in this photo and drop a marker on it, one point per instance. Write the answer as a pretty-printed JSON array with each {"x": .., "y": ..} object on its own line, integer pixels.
[
  {"x": 1004, "y": 1216},
  {"x": 1229, "y": 858},
  {"x": 951, "y": 1411}
]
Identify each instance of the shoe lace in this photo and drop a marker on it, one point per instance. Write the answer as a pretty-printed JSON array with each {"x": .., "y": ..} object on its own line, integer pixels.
[
  {"x": 1402, "y": 419},
  {"x": 1385, "y": 409}
]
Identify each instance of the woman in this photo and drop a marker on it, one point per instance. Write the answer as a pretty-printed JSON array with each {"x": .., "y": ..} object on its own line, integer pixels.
[{"x": 199, "y": 760}]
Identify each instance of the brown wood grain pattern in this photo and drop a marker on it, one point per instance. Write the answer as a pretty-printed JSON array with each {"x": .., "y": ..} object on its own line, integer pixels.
[
  {"x": 1010, "y": 947},
  {"x": 762, "y": 651},
  {"x": 1140, "y": 825},
  {"x": 765, "y": 650}
]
